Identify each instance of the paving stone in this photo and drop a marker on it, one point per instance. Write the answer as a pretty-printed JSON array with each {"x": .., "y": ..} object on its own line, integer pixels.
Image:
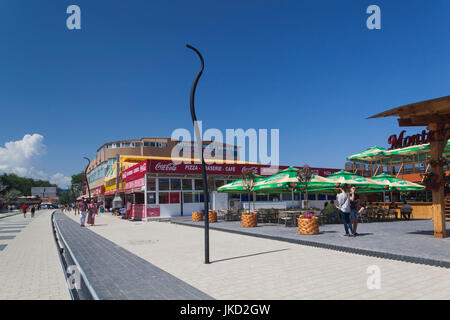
[
  {"x": 116, "y": 273},
  {"x": 410, "y": 241},
  {"x": 31, "y": 259},
  {"x": 247, "y": 267}
]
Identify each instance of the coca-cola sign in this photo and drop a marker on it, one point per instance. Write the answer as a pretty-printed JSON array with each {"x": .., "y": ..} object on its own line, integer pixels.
[
  {"x": 166, "y": 167},
  {"x": 254, "y": 169}
]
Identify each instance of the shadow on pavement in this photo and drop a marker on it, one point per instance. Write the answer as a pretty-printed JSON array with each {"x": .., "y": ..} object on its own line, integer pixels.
[{"x": 249, "y": 255}]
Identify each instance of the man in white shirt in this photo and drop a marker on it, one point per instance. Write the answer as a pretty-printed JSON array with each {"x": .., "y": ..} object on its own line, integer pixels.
[{"x": 343, "y": 204}]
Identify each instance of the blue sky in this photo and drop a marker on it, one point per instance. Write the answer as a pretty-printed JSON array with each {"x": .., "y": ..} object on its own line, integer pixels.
[{"x": 309, "y": 68}]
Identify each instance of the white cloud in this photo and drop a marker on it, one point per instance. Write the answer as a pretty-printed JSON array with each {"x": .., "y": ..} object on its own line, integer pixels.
[
  {"x": 61, "y": 180},
  {"x": 18, "y": 157}
]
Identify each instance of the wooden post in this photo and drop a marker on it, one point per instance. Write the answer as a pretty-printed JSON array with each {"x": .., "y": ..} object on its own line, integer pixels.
[{"x": 436, "y": 148}]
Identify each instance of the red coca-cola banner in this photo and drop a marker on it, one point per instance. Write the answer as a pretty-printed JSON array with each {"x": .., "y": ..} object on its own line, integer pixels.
[{"x": 169, "y": 167}]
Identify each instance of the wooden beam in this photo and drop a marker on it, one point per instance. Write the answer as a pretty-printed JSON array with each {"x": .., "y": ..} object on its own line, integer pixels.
[
  {"x": 413, "y": 121},
  {"x": 436, "y": 149}
]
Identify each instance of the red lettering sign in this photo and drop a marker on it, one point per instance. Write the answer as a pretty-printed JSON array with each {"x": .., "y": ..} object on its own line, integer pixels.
[{"x": 416, "y": 139}]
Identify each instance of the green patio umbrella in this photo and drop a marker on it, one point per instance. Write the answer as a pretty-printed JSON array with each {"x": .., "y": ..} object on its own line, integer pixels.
[
  {"x": 397, "y": 184},
  {"x": 237, "y": 186},
  {"x": 361, "y": 183},
  {"x": 286, "y": 180},
  {"x": 409, "y": 150},
  {"x": 372, "y": 153}
]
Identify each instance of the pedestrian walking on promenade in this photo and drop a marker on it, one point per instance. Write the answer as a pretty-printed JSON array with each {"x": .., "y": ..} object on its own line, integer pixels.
[
  {"x": 343, "y": 204},
  {"x": 33, "y": 209},
  {"x": 355, "y": 209},
  {"x": 82, "y": 207},
  {"x": 76, "y": 208},
  {"x": 92, "y": 210},
  {"x": 128, "y": 209},
  {"x": 24, "y": 210}
]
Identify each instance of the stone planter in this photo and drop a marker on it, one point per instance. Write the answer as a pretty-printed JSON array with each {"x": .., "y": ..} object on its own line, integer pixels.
[
  {"x": 197, "y": 216},
  {"x": 249, "y": 220},
  {"x": 212, "y": 216},
  {"x": 308, "y": 225}
]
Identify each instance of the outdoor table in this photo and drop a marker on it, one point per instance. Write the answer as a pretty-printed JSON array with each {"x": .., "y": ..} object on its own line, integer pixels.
[{"x": 293, "y": 213}]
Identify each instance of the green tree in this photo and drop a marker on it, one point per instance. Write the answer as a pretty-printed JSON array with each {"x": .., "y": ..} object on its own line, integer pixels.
[
  {"x": 12, "y": 195},
  {"x": 248, "y": 180},
  {"x": 76, "y": 182},
  {"x": 304, "y": 175}
]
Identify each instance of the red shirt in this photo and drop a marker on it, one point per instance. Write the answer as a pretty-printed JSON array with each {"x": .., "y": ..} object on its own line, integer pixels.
[{"x": 24, "y": 208}]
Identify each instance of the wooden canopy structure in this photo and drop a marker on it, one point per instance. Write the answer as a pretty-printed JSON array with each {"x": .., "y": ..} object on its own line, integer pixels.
[{"x": 435, "y": 115}]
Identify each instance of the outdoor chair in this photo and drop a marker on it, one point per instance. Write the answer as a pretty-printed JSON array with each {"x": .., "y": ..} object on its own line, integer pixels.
[
  {"x": 363, "y": 216},
  {"x": 380, "y": 214},
  {"x": 221, "y": 214},
  {"x": 286, "y": 217},
  {"x": 370, "y": 214},
  {"x": 392, "y": 214},
  {"x": 273, "y": 215},
  {"x": 323, "y": 217}
]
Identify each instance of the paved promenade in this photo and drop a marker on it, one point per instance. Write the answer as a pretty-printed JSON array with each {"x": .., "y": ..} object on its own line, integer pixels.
[
  {"x": 29, "y": 264},
  {"x": 245, "y": 267},
  {"x": 410, "y": 241},
  {"x": 115, "y": 273}
]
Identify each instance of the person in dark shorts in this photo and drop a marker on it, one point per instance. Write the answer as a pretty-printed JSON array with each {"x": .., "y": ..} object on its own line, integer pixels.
[
  {"x": 343, "y": 204},
  {"x": 406, "y": 211},
  {"x": 354, "y": 209},
  {"x": 33, "y": 209}
]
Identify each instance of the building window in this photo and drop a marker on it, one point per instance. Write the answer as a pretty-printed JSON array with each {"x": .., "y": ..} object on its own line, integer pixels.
[
  {"x": 163, "y": 197},
  {"x": 188, "y": 197},
  {"x": 151, "y": 198},
  {"x": 175, "y": 184},
  {"x": 198, "y": 184},
  {"x": 274, "y": 197},
  {"x": 151, "y": 184},
  {"x": 235, "y": 196},
  {"x": 126, "y": 145},
  {"x": 164, "y": 184},
  {"x": 261, "y": 197},
  {"x": 187, "y": 184},
  {"x": 175, "y": 197}
]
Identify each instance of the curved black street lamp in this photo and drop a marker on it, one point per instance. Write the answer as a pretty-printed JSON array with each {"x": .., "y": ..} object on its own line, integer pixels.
[
  {"x": 200, "y": 145},
  {"x": 85, "y": 177}
]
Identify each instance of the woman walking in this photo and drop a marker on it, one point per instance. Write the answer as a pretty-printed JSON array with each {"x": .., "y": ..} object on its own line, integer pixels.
[
  {"x": 355, "y": 209},
  {"x": 92, "y": 210},
  {"x": 33, "y": 209}
]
